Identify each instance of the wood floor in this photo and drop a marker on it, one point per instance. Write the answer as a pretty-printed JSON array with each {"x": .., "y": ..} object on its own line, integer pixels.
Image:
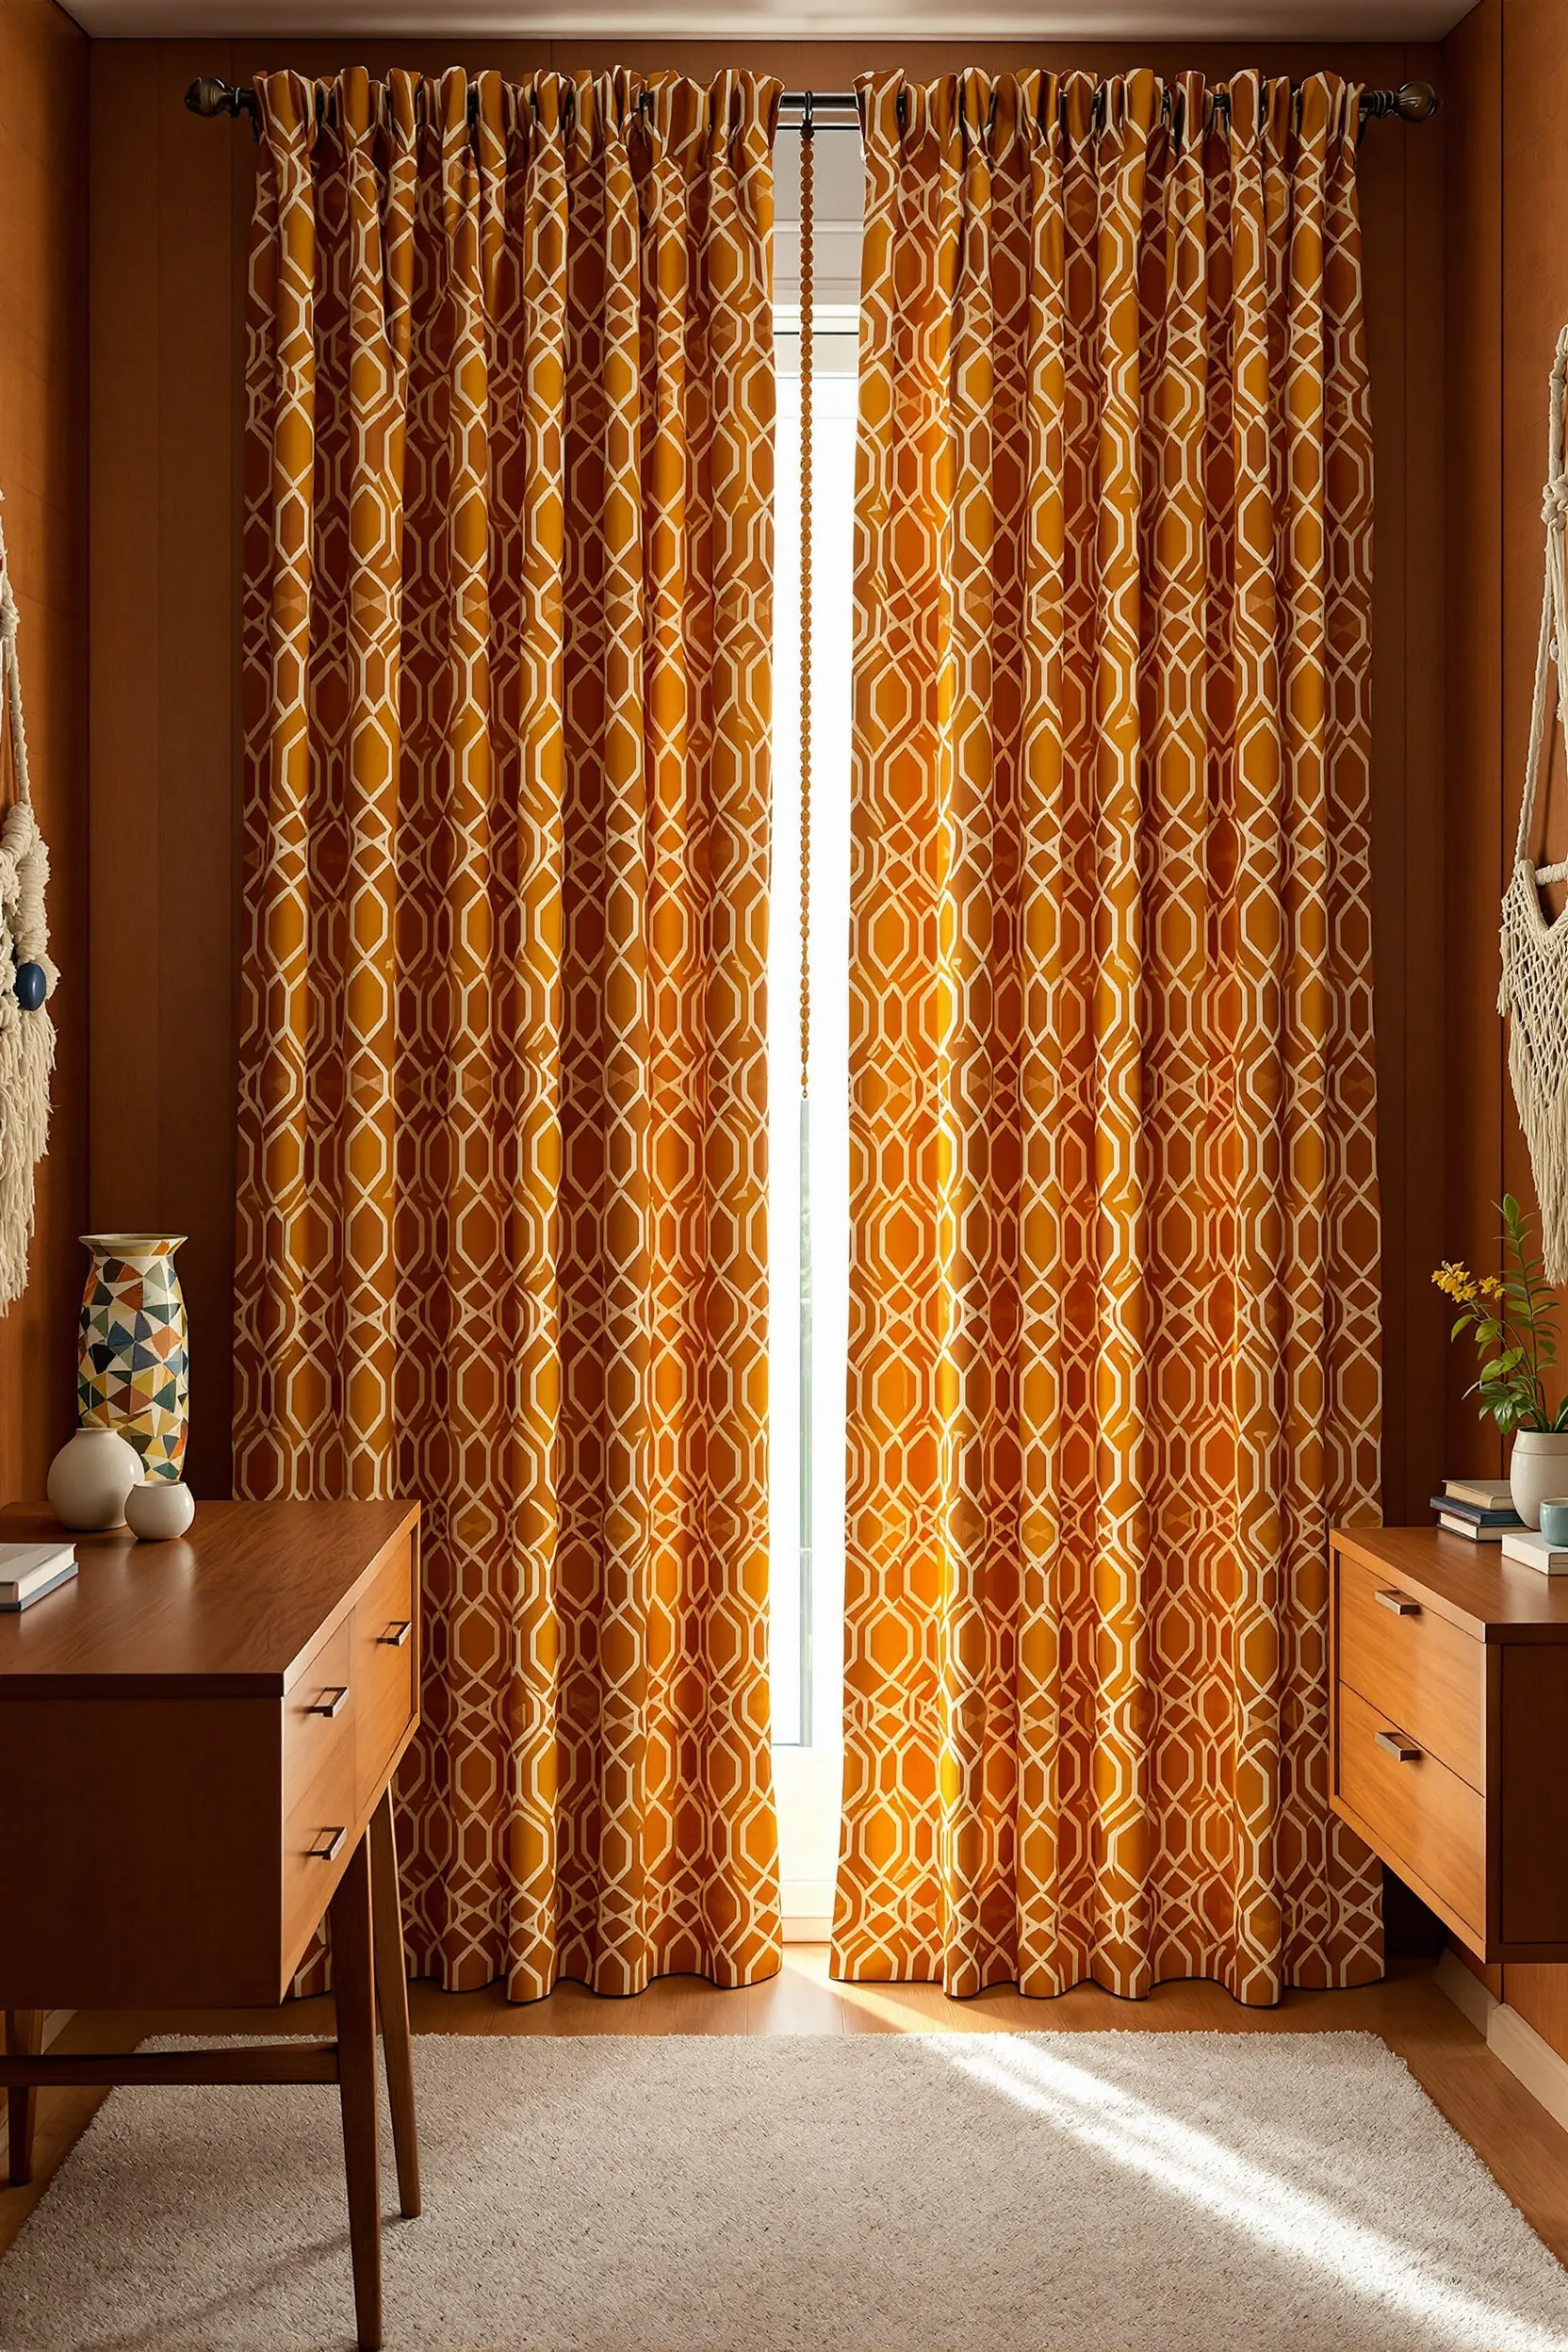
[{"x": 1514, "y": 2136}]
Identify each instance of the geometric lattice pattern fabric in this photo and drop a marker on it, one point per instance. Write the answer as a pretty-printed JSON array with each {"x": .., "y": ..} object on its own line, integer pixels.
[
  {"x": 132, "y": 1362},
  {"x": 1113, "y": 1309},
  {"x": 502, "y": 1202}
]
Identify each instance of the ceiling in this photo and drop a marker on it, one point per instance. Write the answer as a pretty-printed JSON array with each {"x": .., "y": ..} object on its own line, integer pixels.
[{"x": 790, "y": 20}]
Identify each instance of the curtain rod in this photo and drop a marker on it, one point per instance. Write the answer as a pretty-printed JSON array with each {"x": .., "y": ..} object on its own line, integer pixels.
[{"x": 832, "y": 111}]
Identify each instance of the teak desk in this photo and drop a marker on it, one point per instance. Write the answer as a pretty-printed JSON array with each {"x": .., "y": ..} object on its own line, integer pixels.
[{"x": 197, "y": 1740}]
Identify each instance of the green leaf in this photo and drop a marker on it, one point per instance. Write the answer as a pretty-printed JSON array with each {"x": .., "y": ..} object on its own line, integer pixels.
[{"x": 1494, "y": 1370}]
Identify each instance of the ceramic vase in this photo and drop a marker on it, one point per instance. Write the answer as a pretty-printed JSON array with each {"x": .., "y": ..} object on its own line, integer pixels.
[
  {"x": 133, "y": 1365},
  {"x": 90, "y": 1478},
  {"x": 1538, "y": 1470},
  {"x": 158, "y": 1510}
]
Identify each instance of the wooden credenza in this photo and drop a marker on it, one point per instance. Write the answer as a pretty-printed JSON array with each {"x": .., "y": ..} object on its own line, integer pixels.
[
  {"x": 1449, "y": 1730},
  {"x": 197, "y": 1743}
]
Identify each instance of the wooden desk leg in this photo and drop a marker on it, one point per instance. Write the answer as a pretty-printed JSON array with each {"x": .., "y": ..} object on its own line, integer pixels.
[
  {"x": 23, "y": 2040},
  {"x": 392, "y": 1994},
  {"x": 354, "y": 1994}
]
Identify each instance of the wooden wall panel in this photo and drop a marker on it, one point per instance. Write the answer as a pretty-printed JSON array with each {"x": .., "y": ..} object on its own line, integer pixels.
[
  {"x": 42, "y": 474},
  {"x": 167, "y": 345},
  {"x": 1474, "y": 1079},
  {"x": 1508, "y": 282}
]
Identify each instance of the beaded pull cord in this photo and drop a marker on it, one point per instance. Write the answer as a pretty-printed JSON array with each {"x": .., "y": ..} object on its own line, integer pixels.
[{"x": 807, "y": 224}]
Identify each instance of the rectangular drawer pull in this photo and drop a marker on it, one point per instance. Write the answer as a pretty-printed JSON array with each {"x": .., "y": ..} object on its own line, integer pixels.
[
  {"x": 331, "y": 1702},
  {"x": 328, "y": 1845},
  {"x": 396, "y": 1636},
  {"x": 1397, "y": 1604},
  {"x": 1399, "y": 1745}
]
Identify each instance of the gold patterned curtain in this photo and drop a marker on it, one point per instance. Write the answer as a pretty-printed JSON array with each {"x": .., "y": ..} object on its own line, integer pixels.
[
  {"x": 501, "y": 1217},
  {"x": 1114, "y": 1313}
]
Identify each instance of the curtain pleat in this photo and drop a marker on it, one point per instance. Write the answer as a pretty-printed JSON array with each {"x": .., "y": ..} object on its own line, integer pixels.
[
  {"x": 1114, "y": 1300},
  {"x": 502, "y": 1196}
]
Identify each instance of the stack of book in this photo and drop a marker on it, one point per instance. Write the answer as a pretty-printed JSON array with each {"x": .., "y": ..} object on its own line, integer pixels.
[
  {"x": 28, "y": 1571},
  {"x": 1481, "y": 1509}
]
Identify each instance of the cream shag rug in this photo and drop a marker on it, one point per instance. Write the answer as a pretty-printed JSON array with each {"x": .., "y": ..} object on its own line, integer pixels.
[{"x": 976, "y": 2192}]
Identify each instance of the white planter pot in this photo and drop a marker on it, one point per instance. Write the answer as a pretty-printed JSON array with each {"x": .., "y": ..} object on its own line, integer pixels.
[
  {"x": 1537, "y": 1471},
  {"x": 91, "y": 1476},
  {"x": 159, "y": 1509}
]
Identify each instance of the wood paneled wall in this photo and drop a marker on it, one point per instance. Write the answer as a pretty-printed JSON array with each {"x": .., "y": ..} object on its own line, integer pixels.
[
  {"x": 1505, "y": 74},
  {"x": 171, "y": 205},
  {"x": 44, "y": 69}
]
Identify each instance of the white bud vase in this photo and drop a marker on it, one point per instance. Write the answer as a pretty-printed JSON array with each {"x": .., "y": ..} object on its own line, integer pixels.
[
  {"x": 158, "y": 1509},
  {"x": 1538, "y": 1471},
  {"x": 91, "y": 1476}
]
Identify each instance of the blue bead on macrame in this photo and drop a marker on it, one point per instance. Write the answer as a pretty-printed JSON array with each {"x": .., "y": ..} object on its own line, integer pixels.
[{"x": 32, "y": 986}]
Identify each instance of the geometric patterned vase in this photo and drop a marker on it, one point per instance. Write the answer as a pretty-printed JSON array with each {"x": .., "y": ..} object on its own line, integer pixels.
[{"x": 133, "y": 1366}]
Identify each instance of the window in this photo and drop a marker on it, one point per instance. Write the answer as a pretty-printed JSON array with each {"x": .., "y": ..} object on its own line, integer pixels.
[{"x": 808, "y": 1227}]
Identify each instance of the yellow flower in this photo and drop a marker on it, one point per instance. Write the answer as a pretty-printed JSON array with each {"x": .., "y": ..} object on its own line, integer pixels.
[
  {"x": 1457, "y": 1282},
  {"x": 1491, "y": 1286}
]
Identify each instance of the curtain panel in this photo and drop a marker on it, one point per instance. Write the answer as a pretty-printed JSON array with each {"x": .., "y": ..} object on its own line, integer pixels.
[
  {"x": 502, "y": 1205},
  {"x": 1114, "y": 1316}
]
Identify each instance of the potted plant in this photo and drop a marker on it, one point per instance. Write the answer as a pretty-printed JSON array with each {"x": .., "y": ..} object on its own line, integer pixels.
[{"x": 1512, "y": 1316}]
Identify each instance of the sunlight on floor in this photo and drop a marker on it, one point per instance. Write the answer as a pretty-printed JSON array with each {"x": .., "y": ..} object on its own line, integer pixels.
[{"x": 1195, "y": 2166}]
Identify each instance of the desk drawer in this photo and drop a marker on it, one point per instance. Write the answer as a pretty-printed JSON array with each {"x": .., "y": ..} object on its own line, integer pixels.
[
  {"x": 1418, "y": 1670},
  {"x": 319, "y": 1715},
  {"x": 1422, "y": 1818},
  {"x": 386, "y": 1652},
  {"x": 317, "y": 1840}
]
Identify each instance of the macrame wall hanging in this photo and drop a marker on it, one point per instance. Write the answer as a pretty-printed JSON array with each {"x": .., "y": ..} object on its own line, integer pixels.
[
  {"x": 27, "y": 977},
  {"x": 1534, "y": 988}
]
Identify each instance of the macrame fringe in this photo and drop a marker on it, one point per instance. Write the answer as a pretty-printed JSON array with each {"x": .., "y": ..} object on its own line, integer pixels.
[
  {"x": 27, "y": 1038},
  {"x": 26, "y": 1064}
]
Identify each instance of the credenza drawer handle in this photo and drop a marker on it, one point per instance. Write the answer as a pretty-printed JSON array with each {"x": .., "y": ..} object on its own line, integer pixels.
[
  {"x": 1397, "y": 1604},
  {"x": 328, "y": 1845},
  {"x": 331, "y": 1702},
  {"x": 1404, "y": 1751},
  {"x": 396, "y": 1636}
]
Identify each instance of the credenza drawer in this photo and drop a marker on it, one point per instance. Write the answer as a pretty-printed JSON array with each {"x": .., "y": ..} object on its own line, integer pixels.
[
  {"x": 317, "y": 1715},
  {"x": 1422, "y": 1672},
  {"x": 318, "y": 1839},
  {"x": 384, "y": 1654},
  {"x": 1422, "y": 1819}
]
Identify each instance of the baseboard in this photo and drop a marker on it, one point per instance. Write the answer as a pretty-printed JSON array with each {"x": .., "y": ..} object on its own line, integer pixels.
[
  {"x": 1531, "y": 2060},
  {"x": 808, "y": 1906},
  {"x": 1466, "y": 1989},
  {"x": 1522, "y": 2052}
]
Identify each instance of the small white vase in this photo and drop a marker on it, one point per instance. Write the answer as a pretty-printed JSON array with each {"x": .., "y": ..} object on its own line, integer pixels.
[
  {"x": 91, "y": 1476},
  {"x": 159, "y": 1509},
  {"x": 1537, "y": 1471}
]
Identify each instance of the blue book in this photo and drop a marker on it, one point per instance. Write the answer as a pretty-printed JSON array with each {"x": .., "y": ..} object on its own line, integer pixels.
[{"x": 1477, "y": 1514}]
